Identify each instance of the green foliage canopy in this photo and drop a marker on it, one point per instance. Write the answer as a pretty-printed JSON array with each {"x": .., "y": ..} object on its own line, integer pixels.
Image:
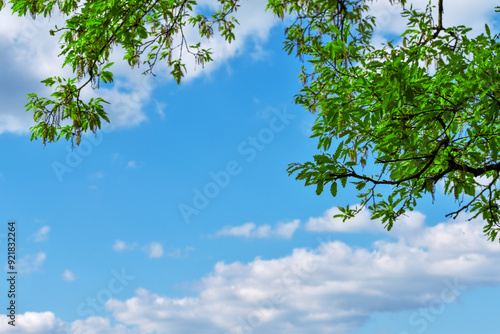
[{"x": 425, "y": 111}]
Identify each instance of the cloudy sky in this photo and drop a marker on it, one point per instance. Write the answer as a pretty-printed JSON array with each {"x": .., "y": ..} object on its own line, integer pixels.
[{"x": 180, "y": 218}]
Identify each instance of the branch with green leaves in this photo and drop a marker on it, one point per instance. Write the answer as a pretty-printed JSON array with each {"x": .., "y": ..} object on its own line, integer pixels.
[
  {"x": 148, "y": 31},
  {"x": 425, "y": 111}
]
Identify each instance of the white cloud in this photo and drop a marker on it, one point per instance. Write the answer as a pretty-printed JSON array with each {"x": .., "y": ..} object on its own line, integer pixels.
[
  {"x": 31, "y": 263},
  {"x": 68, "y": 275},
  {"x": 42, "y": 234},
  {"x": 472, "y": 14},
  {"x": 98, "y": 325},
  {"x": 115, "y": 157},
  {"x": 120, "y": 246},
  {"x": 47, "y": 322},
  {"x": 237, "y": 231},
  {"x": 160, "y": 108},
  {"x": 34, "y": 322},
  {"x": 406, "y": 225},
  {"x": 178, "y": 252},
  {"x": 286, "y": 230},
  {"x": 132, "y": 164},
  {"x": 250, "y": 230},
  {"x": 97, "y": 175},
  {"x": 326, "y": 223},
  {"x": 248, "y": 31},
  {"x": 21, "y": 41},
  {"x": 332, "y": 289},
  {"x": 154, "y": 250}
]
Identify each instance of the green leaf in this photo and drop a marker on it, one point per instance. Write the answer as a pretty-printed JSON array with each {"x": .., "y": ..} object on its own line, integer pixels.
[
  {"x": 322, "y": 159},
  {"x": 360, "y": 185},
  {"x": 333, "y": 188},
  {"x": 319, "y": 188},
  {"x": 108, "y": 65},
  {"x": 343, "y": 180},
  {"x": 336, "y": 155}
]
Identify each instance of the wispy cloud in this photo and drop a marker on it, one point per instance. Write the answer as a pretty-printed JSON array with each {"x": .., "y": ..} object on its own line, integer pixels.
[
  {"x": 180, "y": 253},
  {"x": 31, "y": 263},
  {"x": 68, "y": 275},
  {"x": 132, "y": 164},
  {"x": 160, "y": 108},
  {"x": 154, "y": 249},
  {"x": 42, "y": 234},
  {"x": 97, "y": 175},
  {"x": 120, "y": 246}
]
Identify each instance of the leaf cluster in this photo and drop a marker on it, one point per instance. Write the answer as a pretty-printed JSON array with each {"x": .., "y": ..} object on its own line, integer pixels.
[
  {"x": 424, "y": 111},
  {"x": 148, "y": 31}
]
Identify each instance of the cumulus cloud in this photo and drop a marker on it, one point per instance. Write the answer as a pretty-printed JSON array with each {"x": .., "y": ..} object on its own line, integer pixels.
[
  {"x": 21, "y": 41},
  {"x": 334, "y": 288},
  {"x": 331, "y": 289},
  {"x": 47, "y": 322},
  {"x": 34, "y": 322},
  {"x": 42, "y": 234},
  {"x": 31, "y": 263},
  {"x": 326, "y": 223},
  {"x": 408, "y": 224},
  {"x": 286, "y": 230},
  {"x": 68, "y": 275},
  {"x": 250, "y": 230},
  {"x": 98, "y": 325}
]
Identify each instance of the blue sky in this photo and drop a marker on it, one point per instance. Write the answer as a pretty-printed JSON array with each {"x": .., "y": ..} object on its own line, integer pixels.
[{"x": 180, "y": 217}]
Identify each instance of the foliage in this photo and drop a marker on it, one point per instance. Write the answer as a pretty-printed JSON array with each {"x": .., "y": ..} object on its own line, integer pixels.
[
  {"x": 153, "y": 30},
  {"x": 426, "y": 111}
]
